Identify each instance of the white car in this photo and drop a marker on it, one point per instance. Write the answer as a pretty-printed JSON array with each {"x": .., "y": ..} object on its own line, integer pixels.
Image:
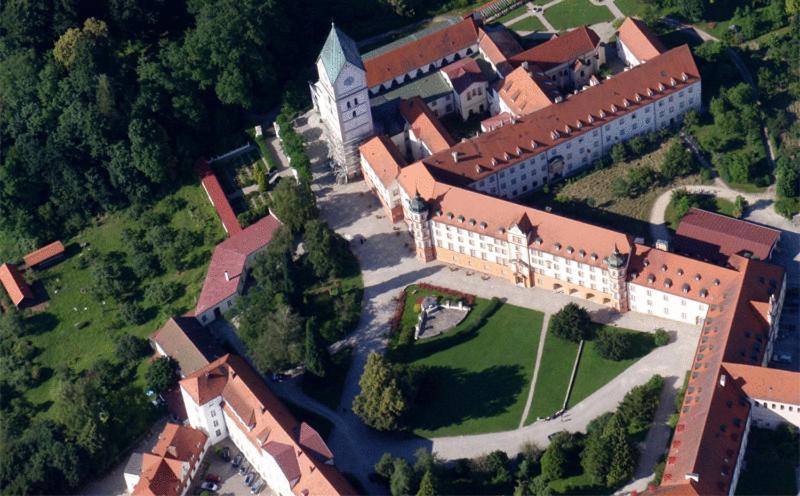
[{"x": 209, "y": 486}]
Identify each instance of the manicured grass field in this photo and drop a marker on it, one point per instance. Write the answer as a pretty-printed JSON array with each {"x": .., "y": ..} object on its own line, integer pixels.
[
  {"x": 511, "y": 14},
  {"x": 528, "y": 24},
  {"x": 631, "y": 7},
  {"x": 558, "y": 358},
  {"x": 594, "y": 371},
  {"x": 479, "y": 380},
  {"x": 72, "y": 303},
  {"x": 573, "y": 13}
]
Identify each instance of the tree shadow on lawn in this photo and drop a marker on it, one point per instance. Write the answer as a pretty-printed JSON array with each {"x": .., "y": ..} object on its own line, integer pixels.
[{"x": 452, "y": 396}]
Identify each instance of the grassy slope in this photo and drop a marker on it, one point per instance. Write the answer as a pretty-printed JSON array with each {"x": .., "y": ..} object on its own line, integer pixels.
[
  {"x": 61, "y": 342},
  {"x": 571, "y": 13},
  {"x": 480, "y": 380},
  {"x": 594, "y": 371},
  {"x": 558, "y": 358}
]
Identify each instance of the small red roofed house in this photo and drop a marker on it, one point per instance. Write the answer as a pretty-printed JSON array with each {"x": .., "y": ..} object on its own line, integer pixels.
[
  {"x": 229, "y": 399},
  {"x": 715, "y": 237},
  {"x": 496, "y": 46},
  {"x": 15, "y": 285},
  {"x": 568, "y": 59},
  {"x": 44, "y": 256},
  {"x": 426, "y": 134},
  {"x": 469, "y": 85},
  {"x": 636, "y": 44},
  {"x": 227, "y": 271},
  {"x": 169, "y": 468},
  {"x": 381, "y": 162}
]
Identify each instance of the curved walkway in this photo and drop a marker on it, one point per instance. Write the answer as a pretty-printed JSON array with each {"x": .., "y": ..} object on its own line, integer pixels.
[{"x": 658, "y": 225}]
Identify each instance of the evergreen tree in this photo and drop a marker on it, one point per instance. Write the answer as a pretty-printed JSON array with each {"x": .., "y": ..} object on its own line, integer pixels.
[
  {"x": 571, "y": 322},
  {"x": 380, "y": 403},
  {"x": 402, "y": 478},
  {"x": 316, "y": 352},
  {"x": 427, "y": 486},
  {"x": 385, "y": 466},
  {"x": 623, "y": 454}
]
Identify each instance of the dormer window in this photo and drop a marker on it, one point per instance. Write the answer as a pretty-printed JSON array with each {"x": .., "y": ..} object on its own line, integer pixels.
[
  {"x": 557, "y": 246},
  {"x": 704, "y": 292},
  {"x": 538, "y": 241},
  {"x": 663, "y": 268},
  {"x": 697, "y": 277},
  {"x": 472, "y": 222},
  {"x": 614, "y": 108},
  {"x": 450, "y": 215},
  {"x": 685, "y": 288},
  {"x": 582, "y": 252},
  {"x": 461, "y": 219},
  {"x": 667, "y": 283},
  {"x": 594, "y": 257},
  {"x": 501, "y": 230},
  {"x": 680, "y": 272},
  {"x": 570, "y": 250},
  {"x": 651, "y": 278},
  {"x": 716, "y": 282}
]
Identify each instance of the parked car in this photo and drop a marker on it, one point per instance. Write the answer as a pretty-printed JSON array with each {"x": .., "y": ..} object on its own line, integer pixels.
[
  {"x": 249, "y": 479},
  {"x": 257, "y": 487},
  {"x": 209, "y": 486},
  {"x": 212, "y": 478},
  {"x": 243, "y": 469},
  {"x": 782, "y": 358},
  {"x": 238, "y": 460},
  {"x": 226, "y": 454}
]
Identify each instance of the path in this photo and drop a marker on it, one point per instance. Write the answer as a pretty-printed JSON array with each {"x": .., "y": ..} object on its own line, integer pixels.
[{"x": 545, "y": 324}]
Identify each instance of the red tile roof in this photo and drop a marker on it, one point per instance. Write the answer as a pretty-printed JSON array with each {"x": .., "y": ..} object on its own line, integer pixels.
[
  {"x": 15, "y": 284},
  {"x": 229, "y": 259},
  {"x": 174, "y": 456},
  {"x": 491, "y": 216},
  {"x": 764, "y": 383},
  {"x": 384, "y": 158},
  {"x": 297, "y": 448},
  {"x": 498, "y": 45},
  {"x": 425, "y": 124},
  {"x": 188, "y": 342},
  {"x": 709, "y": 432},
  {"x": 463, "y": 74},
  {"x": 43, "y": 254},
  {"x": 496, "y": 121},
  {"x": 579, "y": 114},
  {"x": 637, "y": 37},
  {"x": 218, "y": 198},
  {"x": 421, "y": 52},
  {"x": 716, "y": 237},
  {"x": 560, "y": 49},
  {"x": 523, "y": 94}
]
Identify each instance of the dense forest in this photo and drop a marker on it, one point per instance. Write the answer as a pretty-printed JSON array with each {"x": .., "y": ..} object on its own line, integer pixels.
[{"x": 107, "y": 103}]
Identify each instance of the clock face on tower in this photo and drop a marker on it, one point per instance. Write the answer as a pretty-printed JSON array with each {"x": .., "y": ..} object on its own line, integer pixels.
[{"x": 348, "y": 81}]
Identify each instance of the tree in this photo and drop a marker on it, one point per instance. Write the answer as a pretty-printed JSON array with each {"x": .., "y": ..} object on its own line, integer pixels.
[
  {"x": 294, "y": 204},
  {"x": 130, "y": 348},
  {"x": 402, "y": 480},
  {"x": 661, "y": 337},
  {"x": 112, "y": 279},
  {"x": 619, "y": 153},
  {"x": 572, "y": 322},
  {"x": 555, "y": 458},
  {"x": 162, "y": 292},
  {"x": 739, "y": 206},
  {"x": 640, "y": 180},
  {"x": 623, "y": 454},
  {"x": 162, "y": 374},
  {"x": 638, "y": 408},
  {"x": 678, "y": 161},
  {"x": 321, "y": 247},
  {"x": 132, "y": 313},
  {"x": 692, "y": 9},
  {"x": 427, "y": 486},
  {"x": 614, "y": 345},
  {"x": 316, "y": 354},
  {"x": 276, "y": 342},
  {"x": 385, "y": 466},
  {"x": 380, "y": 403},
  {"x": 596, "y": 456}
]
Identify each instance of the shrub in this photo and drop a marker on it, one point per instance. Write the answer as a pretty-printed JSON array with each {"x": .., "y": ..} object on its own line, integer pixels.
[
  {"x": 159, "y": 293},
  {"x": 162, "y": 374},
  {"x": 417, "y": 308},
  {"x": 130, "y": 348},
  {"x": 661, "y": 337},
  {"x": 614, "y": 345},
  {"x": 132, "y": 313},
  {"x": 638, "y": 407}
]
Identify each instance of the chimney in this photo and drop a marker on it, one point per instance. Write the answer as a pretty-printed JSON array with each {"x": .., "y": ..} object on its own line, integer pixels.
[
  {"x": 692, "y": 476},
  {"x": 172, "y": 450},
  {"x": 227, "y": 276},
  {"x": 722, "y": 378},
  {"x": 455, "y": 156},
  {"x": 662, "y": 244}
]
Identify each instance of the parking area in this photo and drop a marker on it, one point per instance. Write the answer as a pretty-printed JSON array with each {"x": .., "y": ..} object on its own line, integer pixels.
[
  {"x": 786, "y": 354},
  {"x": 231, "y": 481}
]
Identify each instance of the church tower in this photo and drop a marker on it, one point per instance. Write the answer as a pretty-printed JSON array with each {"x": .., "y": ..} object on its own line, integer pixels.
[
  {"x": 341, "y": 97},
  {"x": 617, "y": 271},
  {"x": 420, "y": 228}
]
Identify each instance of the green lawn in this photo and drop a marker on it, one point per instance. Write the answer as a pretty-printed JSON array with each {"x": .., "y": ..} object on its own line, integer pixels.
[
  {"x": 577, "y": 484},
  {"x": 511, "y": 14},
  {"x": 573, "y": 13},
  {"x": 594, "y": 371},
  {"x": 528, "y": 24},
  {"x": 558, "y": 357},
  {"x": 631, "y": 7},
  {"x": 72, "y": 303},
  {"x": 478, "y": 379}
]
